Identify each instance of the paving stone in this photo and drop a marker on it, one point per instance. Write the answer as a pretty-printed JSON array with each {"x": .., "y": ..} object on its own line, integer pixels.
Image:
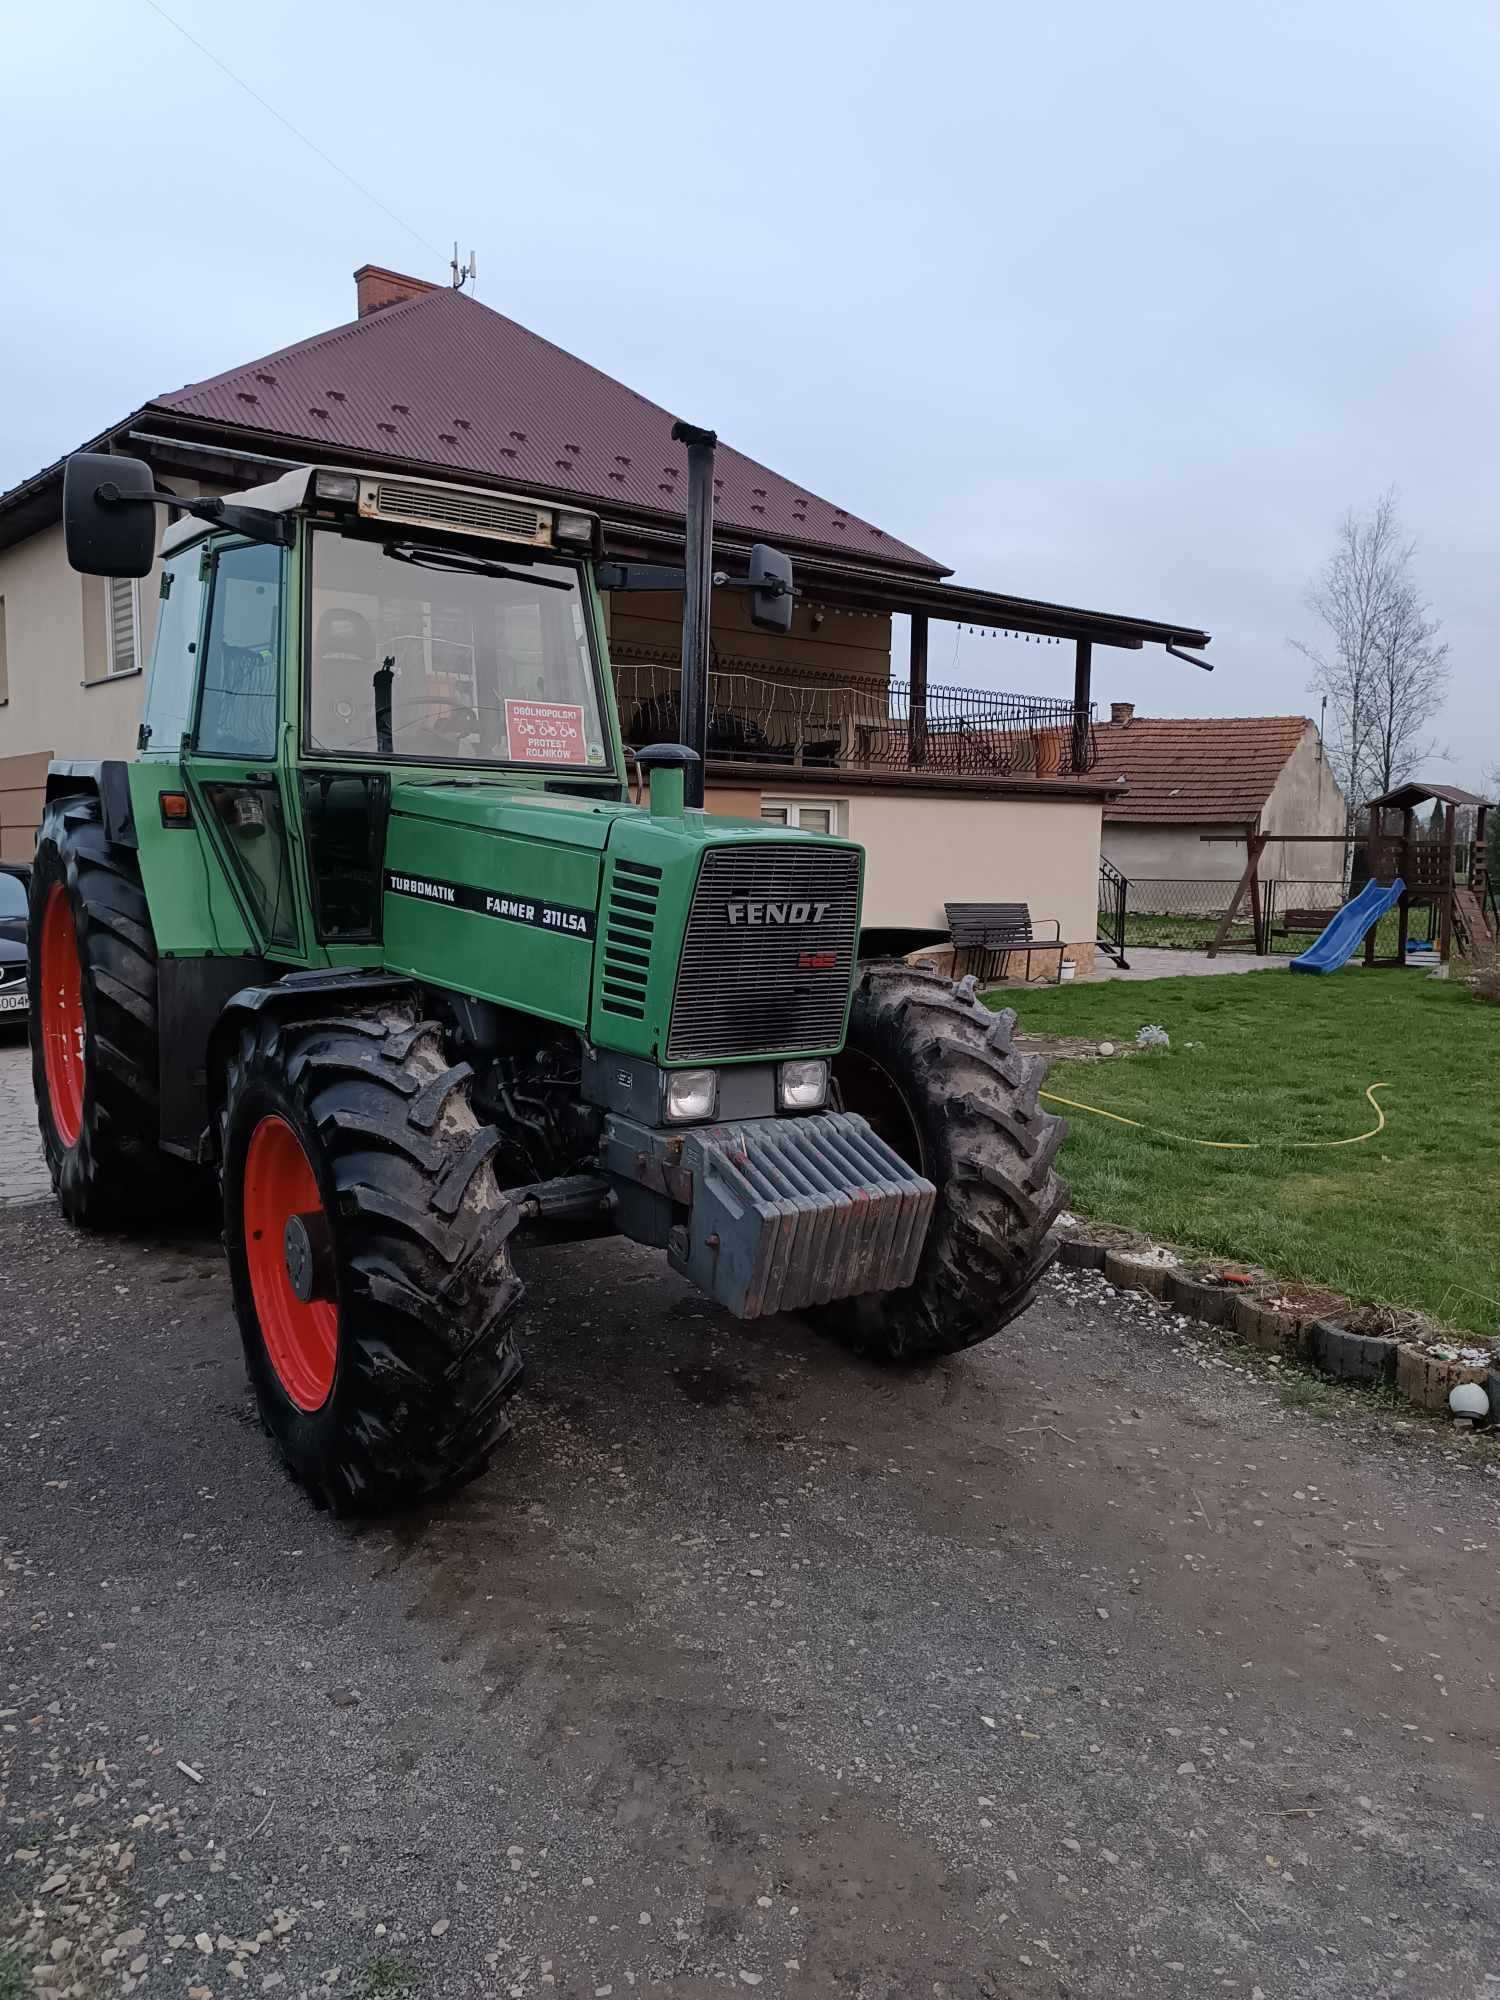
[{"x": 23, "y": 1168}]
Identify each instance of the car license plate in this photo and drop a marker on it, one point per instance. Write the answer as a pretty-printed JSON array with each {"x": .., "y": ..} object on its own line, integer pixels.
[{"x": 12, "y": 1003}]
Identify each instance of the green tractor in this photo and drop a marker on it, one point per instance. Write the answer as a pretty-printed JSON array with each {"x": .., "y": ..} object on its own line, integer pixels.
[{"x": 372, "y": 936}]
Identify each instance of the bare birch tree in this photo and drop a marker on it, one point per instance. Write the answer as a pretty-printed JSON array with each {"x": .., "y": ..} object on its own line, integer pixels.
[
  {"x": 1383, "y": 667},
  {"x": 1409, "y": 687}
]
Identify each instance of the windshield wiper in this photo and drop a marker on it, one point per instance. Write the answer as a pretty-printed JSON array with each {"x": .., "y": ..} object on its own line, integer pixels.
[{"x": 464, "y": 564}]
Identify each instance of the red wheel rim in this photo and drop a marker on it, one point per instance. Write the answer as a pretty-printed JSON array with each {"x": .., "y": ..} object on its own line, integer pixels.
[
  {"x": 61, "y": 1009},
  {"x": 301, "y": 1335}
]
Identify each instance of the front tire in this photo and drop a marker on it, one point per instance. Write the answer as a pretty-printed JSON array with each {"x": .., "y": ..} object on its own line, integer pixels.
[
  {"x": 368, "y": 1253},
  {"x": 937, "y": 1075},
  {"x": 93, "y": 1026}
]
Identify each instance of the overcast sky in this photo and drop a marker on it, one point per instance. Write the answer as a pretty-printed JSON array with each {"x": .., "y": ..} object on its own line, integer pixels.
[{"x": 1122, "y": 307}]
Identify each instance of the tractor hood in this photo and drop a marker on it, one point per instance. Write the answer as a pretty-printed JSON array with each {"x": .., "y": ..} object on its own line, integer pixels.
[
  {"x": 521, "y": 810},
  {"x": 586, "y": 912}
]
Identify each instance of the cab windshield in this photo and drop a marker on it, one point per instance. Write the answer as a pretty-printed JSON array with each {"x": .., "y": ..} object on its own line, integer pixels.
[{"x": 428, "y": 654}]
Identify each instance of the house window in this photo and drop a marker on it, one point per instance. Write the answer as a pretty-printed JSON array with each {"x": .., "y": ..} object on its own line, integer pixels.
[
  {"x": 123, "y": 625},
  {"x": 809, "y": 815}
]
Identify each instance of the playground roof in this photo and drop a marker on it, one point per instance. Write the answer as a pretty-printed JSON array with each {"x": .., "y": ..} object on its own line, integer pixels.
[{"x": 1416, "y": 794}]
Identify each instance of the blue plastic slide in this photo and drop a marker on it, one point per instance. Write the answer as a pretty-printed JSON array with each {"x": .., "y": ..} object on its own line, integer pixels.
[{"x": 1346, "y": 933}]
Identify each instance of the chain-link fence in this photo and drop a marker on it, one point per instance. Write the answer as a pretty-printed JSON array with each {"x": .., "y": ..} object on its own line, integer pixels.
[{"x": 1178, "y": 914}]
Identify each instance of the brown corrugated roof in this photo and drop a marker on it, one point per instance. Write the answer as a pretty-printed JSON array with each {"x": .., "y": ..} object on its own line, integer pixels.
[
  {"x": 1216, "y": 768},
  {"x": 447, "y": 381}
]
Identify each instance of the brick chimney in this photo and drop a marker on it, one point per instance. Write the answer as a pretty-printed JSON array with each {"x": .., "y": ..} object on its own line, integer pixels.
[
  {"x": 1122, "y": 712},
  {"x": 375, "y": 288}
]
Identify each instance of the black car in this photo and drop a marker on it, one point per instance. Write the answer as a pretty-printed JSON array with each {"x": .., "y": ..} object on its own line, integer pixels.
[{"x": 14, "y": 878}]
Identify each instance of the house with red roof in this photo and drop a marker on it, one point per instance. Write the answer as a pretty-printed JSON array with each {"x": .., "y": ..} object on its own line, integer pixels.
[
  {"x": 958, "y": 794},
  {"x": 1192, "y": 788}
]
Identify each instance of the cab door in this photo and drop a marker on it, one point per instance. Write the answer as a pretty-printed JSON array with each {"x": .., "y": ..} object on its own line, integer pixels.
[{"x": 231, "y": 763}]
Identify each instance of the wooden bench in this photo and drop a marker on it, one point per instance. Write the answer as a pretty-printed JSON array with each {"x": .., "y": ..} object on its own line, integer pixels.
[
  {"x": 1316, "y": 921},
  {"x": 994, "y": 931}
]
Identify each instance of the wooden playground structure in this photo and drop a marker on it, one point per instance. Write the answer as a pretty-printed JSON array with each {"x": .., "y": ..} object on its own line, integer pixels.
[
  {"x": 1455, "y": 889},
  {"x": 1460, "y": 901}
]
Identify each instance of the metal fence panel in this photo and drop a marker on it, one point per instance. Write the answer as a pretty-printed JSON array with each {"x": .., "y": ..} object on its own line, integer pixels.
[{"x": 1183, "y": 914}]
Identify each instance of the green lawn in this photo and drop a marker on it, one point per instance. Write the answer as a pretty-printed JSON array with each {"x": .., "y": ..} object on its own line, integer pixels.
[{"x": 1409, "y": 1218}]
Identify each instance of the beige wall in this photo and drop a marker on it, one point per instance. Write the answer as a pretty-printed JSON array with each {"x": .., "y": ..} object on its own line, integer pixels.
[
  {"x": 1167, "y": 852},
  {"x": 925, "y": 849},
  {"x": 54, "y": 625},
  {"x": 1305, "y": 799}
]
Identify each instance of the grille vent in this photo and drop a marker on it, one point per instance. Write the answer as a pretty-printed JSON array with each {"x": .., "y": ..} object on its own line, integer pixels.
[
  {"x": 629, "y": 926},
  {"x": 746, "y": 989},
  {"x": 442, "y": 507}
]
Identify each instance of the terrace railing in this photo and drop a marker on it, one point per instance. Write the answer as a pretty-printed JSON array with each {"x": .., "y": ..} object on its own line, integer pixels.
[{"x": 823, "y": 723}]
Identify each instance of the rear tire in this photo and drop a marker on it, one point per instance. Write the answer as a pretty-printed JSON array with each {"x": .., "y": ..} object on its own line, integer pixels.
[
  {"x": 387, "y": 1380},
  {"x": 937, "y": 1075},
  {"x": 93, "y": 1026}
]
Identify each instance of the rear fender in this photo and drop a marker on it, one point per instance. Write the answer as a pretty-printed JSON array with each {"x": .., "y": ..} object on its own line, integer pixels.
[{"x": 106, "y": 779}]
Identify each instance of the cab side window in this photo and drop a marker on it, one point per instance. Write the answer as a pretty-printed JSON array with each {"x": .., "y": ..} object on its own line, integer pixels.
[
  {"x": 174, "y": 662},
  {"x": 242, "y": 653}
]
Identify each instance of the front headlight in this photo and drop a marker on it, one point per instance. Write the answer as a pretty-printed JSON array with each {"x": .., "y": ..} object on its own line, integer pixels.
[
  {"x": 691, "y": 1094},
  {"x": 802, "y": 1086}
]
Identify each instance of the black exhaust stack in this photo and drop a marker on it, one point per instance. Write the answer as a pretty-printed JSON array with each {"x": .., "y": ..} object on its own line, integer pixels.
[{"x": 697, "y": 600}]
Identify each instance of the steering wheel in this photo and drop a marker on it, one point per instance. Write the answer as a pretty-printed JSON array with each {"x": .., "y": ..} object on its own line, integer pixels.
[{"x": 463, "y": 720}]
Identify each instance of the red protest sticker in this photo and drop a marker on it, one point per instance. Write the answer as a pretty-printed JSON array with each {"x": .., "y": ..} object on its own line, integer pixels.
[{"x": 545, "y": 732}]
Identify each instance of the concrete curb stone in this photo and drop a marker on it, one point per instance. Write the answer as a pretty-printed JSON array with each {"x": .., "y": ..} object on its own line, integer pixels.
[
  {"x": 1137, "y": 1274},
  {"x": 1079, "y": 1255},
  {"x": 1352, "y": 1357},
  {"x": 1201, "y": 1298},
  {"x": 1423, "y": 1378},
  {"x": 1269, "y": 1328}
]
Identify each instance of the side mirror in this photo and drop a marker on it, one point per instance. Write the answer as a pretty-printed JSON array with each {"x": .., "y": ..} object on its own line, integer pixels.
[
  {"x": 109, "y": 522},
  {"x": 770, "y": 589}
]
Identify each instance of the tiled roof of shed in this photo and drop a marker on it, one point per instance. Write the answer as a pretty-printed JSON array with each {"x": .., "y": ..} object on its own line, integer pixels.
[
  {"x": 447, "y": 381},
  {"x": 1207, "y": 768}
]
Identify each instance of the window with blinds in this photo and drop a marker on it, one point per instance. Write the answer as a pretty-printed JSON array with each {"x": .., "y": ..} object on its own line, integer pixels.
[{"x": 124, "y": 623}]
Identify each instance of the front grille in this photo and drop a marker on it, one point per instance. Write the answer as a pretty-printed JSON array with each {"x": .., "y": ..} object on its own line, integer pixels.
[
  {"x": 748, "y": 988},
  {"x": 629, "y": 926},
  {"x": 12, "y": 974},
  {"x": 477, "y": 513}
]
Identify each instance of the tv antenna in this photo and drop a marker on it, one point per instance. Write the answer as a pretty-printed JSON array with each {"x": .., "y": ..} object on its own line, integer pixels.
[{"x": 464, "y": 274}]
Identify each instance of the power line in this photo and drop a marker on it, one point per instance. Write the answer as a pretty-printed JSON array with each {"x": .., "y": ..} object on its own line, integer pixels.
[{"x": 295, "y": 131}]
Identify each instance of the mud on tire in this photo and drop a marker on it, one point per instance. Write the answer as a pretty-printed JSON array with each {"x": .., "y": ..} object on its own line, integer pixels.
[
  {"x": 424, "y": 1291},
  {"x": 102, "y": 1149},
  {"x": 939, "y": 1077}
]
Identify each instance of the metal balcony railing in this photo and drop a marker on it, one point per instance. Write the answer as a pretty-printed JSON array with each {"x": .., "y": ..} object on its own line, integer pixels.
[{"x": 822, "y": 723}]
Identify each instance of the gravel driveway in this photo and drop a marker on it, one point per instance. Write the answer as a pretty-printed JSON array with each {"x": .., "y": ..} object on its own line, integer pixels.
[{"x": 1079, "y": 1666}]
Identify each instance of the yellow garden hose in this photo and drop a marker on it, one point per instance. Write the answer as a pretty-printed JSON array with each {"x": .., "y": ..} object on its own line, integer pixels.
[{"x": 1229, "y": 1145}]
